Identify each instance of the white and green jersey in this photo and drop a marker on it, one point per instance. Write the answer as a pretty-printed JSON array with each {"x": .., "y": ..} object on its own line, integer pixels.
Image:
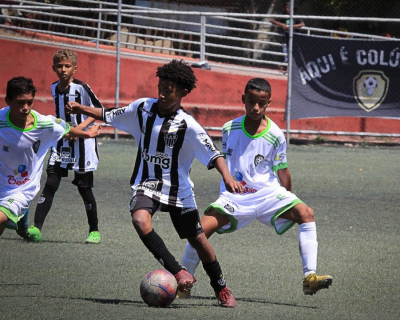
[
  {"x": 253, "y": 160},
  {"x": 23, "y": 151}
]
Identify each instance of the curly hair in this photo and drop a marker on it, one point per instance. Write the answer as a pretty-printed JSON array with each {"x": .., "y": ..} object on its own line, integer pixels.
[
  {"x": 178, "y": 72},
  {"x": 18, "y": 86}
]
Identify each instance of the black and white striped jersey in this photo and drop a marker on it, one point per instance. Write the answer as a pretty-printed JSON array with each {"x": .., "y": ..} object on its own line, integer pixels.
[
  {"x": 81, "y": 155},
  {"x": 167, "y": 146}
]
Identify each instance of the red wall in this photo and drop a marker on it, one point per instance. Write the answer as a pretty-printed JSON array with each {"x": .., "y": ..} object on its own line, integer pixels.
[{"x": 216, "y": 99}]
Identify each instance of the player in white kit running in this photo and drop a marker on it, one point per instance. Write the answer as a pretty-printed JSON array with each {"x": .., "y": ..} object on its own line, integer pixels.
[
  {"x": 255, "y": 152},
  {"x": 25, "y": 137}
]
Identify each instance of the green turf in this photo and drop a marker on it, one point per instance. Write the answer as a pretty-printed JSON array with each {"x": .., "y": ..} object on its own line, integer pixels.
[{"x": 355, "y": 194}]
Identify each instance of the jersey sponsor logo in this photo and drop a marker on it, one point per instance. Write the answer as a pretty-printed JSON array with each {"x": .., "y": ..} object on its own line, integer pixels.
[
  {"x": 208, "y": 143},
  {"x": 6, "y": 148},
  {"x": 160, "y": 159},
  {"x": 170, "y": 139},
  {"x": 229, "y": 152},
  {"x": 36, "y": 146},
  {"x": 239, "y": 177},
  {"x": 116, "y": 112},
  {"x": 65, "y": 155},
  {"x": 20, "y": 171},
  {"x": 150, "y": 185},
  {"x": 258, "y": 159},
  {"x": 74, "y": 95}
]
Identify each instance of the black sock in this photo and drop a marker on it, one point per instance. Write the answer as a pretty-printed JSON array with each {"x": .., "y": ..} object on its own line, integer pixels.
[
  {"x": 91, "y": 208},
  {"x": 214, "y": 271},
  {"x": 157, "y": 247}
]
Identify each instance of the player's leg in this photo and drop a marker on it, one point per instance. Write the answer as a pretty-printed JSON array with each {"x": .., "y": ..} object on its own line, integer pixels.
[
  {"x": 188, "y": 226},
  {"x": 44, "y": 203},
  {"x": 211, "y": 222},
  {"x": 12, "y": 210},
  {"x": 303, "y": 215},
  {"x": 3, "y": 221},
  {"x": 84, "y": 182},
  {"x": 142, "y": 209}
]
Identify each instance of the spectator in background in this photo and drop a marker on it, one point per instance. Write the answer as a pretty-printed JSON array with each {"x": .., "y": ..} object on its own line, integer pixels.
[{"x": 284, "y": 23}]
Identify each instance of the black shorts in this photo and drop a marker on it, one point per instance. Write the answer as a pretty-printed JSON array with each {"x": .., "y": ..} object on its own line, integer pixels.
[
  {"x": 185, "y": 220},
  {"x": 81, "y": 179}
]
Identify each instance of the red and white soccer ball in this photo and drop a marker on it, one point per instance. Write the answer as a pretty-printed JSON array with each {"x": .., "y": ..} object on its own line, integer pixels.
[{"x": 158, "y": 288}]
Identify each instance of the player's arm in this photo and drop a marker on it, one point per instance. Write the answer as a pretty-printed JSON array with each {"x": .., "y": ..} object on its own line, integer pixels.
[
  {"x": 277, "y": 23},
  {"x": 299, "y": 25},
  {"x": 85, "y": 123},
  {"x": 77, "y": 108},
  {"x": 92, "y": 132},
  {"x": 285, "y": 178},
  {"x": 230, "y": 184}
]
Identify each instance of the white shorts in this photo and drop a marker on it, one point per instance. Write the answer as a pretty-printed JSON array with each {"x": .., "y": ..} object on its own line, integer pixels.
[
  {"x": 14, "y": 206},
  {"x": 266, "y": 208}
]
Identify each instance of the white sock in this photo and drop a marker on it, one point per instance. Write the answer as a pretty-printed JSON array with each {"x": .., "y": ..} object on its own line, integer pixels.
[
  {"x": 308, "y": 247},
  {"x": 190, "y": 259}
]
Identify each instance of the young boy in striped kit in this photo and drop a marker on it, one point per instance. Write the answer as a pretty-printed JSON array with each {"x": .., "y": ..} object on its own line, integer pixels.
[
  {"x": 168, "y": 140},
  {"x": 78, "y": 155}
]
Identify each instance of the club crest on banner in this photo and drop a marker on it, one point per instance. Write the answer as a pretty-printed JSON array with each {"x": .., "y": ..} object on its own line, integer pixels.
[{"x": 370, "y": 88}]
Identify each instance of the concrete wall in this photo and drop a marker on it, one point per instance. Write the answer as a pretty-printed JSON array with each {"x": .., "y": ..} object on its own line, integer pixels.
[{"x": 216, "y": 99}]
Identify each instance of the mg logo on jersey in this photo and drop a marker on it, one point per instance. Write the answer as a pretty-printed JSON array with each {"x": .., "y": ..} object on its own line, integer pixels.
[
  {"x": 170, "y": 139},
  {"x": 370, "y": 88},
  {"x": 160, "y": 159}
]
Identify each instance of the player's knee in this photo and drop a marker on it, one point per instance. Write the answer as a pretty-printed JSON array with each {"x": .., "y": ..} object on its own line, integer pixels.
[
  {"x": 307, "y": 215},
  {"x": 141, "y": 222}
]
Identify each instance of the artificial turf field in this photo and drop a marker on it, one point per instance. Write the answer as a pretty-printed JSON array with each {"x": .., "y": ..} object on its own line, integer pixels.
[{"x": 354, "y": 191}]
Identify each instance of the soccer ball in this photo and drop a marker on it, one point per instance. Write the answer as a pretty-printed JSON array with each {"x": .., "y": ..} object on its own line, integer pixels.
[{"x": 158, "y": 288}]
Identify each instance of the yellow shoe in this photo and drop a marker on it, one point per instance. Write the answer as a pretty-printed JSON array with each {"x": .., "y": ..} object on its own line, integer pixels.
[
  {"x": 313, "y": 283},
  {"x": 183, "y": 294}
]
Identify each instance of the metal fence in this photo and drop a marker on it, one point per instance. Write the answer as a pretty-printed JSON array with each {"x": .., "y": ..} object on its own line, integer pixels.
[
  {"x": 238, "y": 40},
  {"x": 217, "y": 36}
]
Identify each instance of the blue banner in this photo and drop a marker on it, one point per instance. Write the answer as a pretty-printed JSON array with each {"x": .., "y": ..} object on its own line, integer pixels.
[{"x": 345, "y": 77}]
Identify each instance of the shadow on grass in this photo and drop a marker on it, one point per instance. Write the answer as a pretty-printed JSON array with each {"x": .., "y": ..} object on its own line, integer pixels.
[{"x": 43, "y": 241}]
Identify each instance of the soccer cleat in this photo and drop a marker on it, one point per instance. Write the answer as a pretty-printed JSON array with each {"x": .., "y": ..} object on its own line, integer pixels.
[
  {"x": 185, "y": 280},
  {"x": 34, "y": 234},
  {"x": 94, "y": 237},
  {"x": 23, "y": 233},
  {"x": 313, "y": 283},
  {"x": 183, "y": 294},
  {"x": 225, "y": 298}
]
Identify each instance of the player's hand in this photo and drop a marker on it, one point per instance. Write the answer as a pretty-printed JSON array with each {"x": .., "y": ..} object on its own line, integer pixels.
[
  {"x": 233, "y": 186},
  {"x": 73, "y": 107},
  {"x": 94, "y": 130}
]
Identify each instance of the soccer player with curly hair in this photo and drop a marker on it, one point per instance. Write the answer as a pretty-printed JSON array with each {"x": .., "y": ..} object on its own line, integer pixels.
[{"x": 168, "y": 139}]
